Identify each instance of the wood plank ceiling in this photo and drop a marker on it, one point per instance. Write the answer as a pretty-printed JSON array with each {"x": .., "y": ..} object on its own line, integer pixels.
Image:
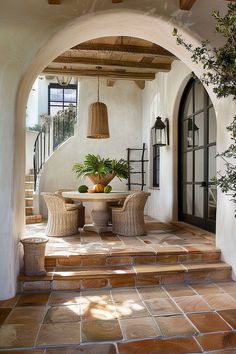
[{"x": 119, "y": 58}]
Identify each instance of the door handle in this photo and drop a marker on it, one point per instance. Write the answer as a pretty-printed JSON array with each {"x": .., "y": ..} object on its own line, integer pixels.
[{"x": 203, "y": 184}]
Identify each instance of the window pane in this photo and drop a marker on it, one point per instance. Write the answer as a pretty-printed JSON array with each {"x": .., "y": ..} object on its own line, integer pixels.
[
  {"x": 199, "y": 165},
  {"x": 187, "y": 198},
  {"x": 188, "y": 107},
  {"x": 212, "y": 162},
  {"x": 70, "y": 95},
  {"x": 188, "y": 166},
  {"x": 54, "y": 110},
  {"x": 198, "y": 96},
  {"x": 199, "y": 201},
  {"x": 53, "y": 103},
  {"x": 199, "y": 129},
  {"x": 212, "y": 125},
  {"x": 56, "y": 94}
]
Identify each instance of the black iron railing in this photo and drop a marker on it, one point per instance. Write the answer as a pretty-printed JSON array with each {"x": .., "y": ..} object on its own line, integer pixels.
[{"x": 48, "y": 139}]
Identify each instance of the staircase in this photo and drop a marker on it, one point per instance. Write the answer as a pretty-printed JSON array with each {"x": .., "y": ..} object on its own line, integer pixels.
[
  {"x": 113, "y": 267},
  {"x": 31, "y": 218}
]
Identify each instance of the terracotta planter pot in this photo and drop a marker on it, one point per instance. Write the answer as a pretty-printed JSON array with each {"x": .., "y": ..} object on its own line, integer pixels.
[{"x": 104, "y": 180}]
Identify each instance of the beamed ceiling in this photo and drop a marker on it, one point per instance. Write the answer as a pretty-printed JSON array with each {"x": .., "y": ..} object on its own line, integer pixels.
[{"x": 119, "y": 58}]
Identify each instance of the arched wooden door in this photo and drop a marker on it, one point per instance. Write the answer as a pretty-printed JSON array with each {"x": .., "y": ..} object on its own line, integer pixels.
[{"x": 197, "y": 162}]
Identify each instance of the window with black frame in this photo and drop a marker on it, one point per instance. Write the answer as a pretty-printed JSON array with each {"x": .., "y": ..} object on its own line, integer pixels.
[
  {"x": 60, "y": 97},
  {"x": 156, "y": 166}
]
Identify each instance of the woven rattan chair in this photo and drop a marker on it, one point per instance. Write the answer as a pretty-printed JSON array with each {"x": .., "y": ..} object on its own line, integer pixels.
[
  {"x": 81, "y": 213},
  {"x": 129, "y": 220},
  {"x": 62, "y": 217}
]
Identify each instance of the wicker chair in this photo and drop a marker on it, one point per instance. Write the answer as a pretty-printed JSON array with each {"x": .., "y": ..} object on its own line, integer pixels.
[
  {"x": 129, "y": 220},
  {"x": 62, "y": 217}
]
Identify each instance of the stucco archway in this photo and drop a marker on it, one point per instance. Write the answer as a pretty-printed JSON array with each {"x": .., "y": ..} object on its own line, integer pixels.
[{"x": 155, "y": 29}]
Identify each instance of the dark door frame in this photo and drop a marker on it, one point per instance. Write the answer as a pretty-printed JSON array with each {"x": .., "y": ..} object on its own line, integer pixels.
[{"x": 205, "y": 222}]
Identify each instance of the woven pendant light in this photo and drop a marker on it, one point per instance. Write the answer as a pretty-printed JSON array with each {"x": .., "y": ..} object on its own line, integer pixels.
[{"x": 98, "y": 127}]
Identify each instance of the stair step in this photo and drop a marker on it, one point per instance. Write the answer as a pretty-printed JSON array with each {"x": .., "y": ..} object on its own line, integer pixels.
[
  {"x": 137, "y": 275},
  {"x": 55, "y": 257},
  {"x": 28, "y": 201},
  {"x": 29, "y": 193},
  {"x": 28, "y": 210},
  {"x": 29, "y": 178},
  {"x": 33, "y": 219},
  {"x": 29, "y": 185}
]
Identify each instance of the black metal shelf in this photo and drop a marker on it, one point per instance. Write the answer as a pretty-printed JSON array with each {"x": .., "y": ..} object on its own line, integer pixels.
[{"x": 142, "y": 172}]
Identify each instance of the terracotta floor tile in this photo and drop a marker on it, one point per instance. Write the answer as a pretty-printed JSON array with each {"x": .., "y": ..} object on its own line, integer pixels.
[
  {"x": 59, "y": 333},
  {"x": 214, "y": 341},
  {"x": 96, "y": 296},
  {"x": 33, "y": 351},
  {"x": 193, "y": 303},
  {"x": 158, "y": 268},
  {"x": 173, "y": 326},
  {"x": 64, "y": 298},
  {"x": 39, "y": 299},
  {"x": 138, "y": 328},
  {"x": 9, "y": 303},
  {"x": 171, "y": 250},
  {"x": 159, "y": 307},
  {"x": 60, "y": 314},
  {"x": 149, "y": 293},
  {"x": 85, "y": 349},
  {"x": 19, "y": 335},
  {"x": 155, "y": 346},
  {"x": 179, "y": 290},
  {"x": 130, "y": 308},
  {"x": 100, "y": 311},
  {"x": 100, "y": 330},
  {"x": 203, "y": 289},
  {"x": 228, "y": 287},
  {"x": 4, "y": 312},
  {"x": 220, "y": 301},
  {"x": 26, "y": 315},
  {"x": 223, "y": 351},
  {"x": 121, "y": 295},
  {"x": 229, "y": 316},
  {"x": 208, "y": 322}
]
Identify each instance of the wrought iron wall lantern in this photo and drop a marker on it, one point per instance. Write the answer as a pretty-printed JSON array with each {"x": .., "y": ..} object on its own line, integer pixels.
[
  {"x": 160, "y": 132},
  {"x": 193, "y": 133},
  {"x": 98, "y": 127}
]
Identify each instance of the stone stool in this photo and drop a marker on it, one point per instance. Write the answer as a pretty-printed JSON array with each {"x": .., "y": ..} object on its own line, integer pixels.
[{"x": 34, "y": 255}]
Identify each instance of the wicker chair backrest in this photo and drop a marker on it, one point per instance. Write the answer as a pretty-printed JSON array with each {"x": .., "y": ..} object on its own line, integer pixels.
[
  {"x": 135, "y": 200},
  {"x": 54, "y": 202}
]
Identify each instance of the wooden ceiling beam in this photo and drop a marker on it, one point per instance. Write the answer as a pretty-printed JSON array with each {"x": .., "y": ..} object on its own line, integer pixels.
[
  {"x": 124, "y": 49},
  {"x": 116, "y": 63},
  {"x": 54, "y": 2},
  {"x": 108, "y": 74},
  {"x": 186, "y": 4}
]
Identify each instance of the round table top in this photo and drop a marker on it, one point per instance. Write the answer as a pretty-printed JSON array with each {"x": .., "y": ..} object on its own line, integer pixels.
[{"x": 99, "y": 197}]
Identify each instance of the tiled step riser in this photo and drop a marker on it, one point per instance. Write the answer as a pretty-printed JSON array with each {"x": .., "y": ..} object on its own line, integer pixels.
[
  {"x": 97, "y": 282},
  {"x": 29, "y": 211},
  {"x": 29, "y": 178},
  {"x": 32, "y": 219},
  {"x": 80, "y": 261},
  {"x": 29, "y": 193},
  {"x": 29, "y": 202},
  {"x": 29, "y": 185}
]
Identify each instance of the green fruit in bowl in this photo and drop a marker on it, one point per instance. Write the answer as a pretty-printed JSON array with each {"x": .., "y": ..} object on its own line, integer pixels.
[
  {"x": 83, "y": 189},
  {"x": 107, "y": 189}
]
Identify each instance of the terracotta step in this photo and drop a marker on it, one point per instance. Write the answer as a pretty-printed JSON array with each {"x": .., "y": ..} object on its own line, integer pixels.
[
  {"x": 137, "y": 275},
  {"x": 29, "y": 178},
  {"x": 129, "y": 257},
  {"x": 29, "y": 201},
  {"x": 33, "y": 219},
  {"x": 28, "y": 210},
  {"x": 29, "y": 193},
  {"x": 29, "y": 185}
]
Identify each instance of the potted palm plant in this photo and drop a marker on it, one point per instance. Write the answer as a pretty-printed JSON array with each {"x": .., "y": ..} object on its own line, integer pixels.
[{"x": 101, "y": 170}]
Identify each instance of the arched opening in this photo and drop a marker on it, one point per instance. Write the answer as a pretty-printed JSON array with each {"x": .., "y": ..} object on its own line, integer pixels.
[{"x": 197, "y": 163}]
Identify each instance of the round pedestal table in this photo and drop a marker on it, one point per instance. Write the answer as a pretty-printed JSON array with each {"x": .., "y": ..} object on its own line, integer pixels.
[{"x": 100, "y": 212}]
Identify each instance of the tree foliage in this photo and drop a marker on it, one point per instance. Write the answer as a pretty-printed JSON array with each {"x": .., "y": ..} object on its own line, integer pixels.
[{"x": 219, "y": 64}]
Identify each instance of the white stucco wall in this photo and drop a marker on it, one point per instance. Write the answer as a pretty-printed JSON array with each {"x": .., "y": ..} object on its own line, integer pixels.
[
  {"x": 124, "y": 103},
  {"x": 29, "y": 149},
  {"x": 161, "y": 97}
]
